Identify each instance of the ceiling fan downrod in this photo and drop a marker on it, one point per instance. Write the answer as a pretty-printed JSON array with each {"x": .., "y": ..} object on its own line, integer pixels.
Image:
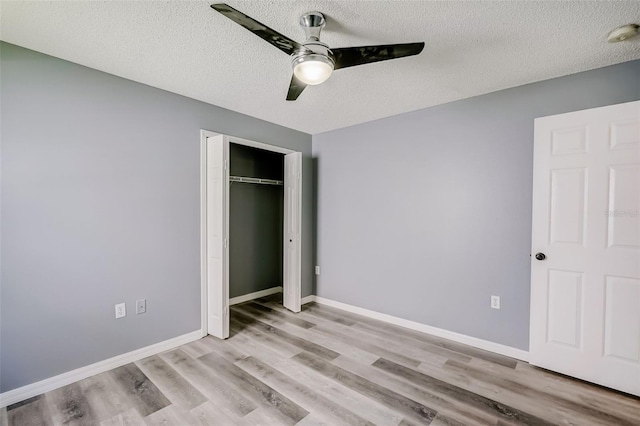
[{"x": 312, "y": 23}]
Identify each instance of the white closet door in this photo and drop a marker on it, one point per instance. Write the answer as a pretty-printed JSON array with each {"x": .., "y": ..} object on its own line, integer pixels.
[
  {"x": 292, "y": 230},
  {"x": 585, "y": 281},
  {"x": 218, "y": 236}
]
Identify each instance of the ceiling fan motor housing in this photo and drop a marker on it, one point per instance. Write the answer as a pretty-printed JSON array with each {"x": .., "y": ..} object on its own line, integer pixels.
[{"x": 312, "y": 23}]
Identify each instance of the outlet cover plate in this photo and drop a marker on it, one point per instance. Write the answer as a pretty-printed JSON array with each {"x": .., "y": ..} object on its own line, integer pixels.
[
  {"x": 121, "y": 310},
  {"x": 495, "y": 302},
  {"x": 141, "y": 306}
]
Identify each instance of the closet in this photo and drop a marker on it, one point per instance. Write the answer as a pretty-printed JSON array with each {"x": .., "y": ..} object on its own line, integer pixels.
[
  {"x": 256, "y": 219},
  {"x": 251, "y": 209}
]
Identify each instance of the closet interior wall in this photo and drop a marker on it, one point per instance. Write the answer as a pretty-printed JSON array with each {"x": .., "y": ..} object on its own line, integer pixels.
[{"x": 256, "y": 217}]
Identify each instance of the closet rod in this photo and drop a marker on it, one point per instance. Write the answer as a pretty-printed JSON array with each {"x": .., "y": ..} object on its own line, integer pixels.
[{"x": 242, "y": 179}]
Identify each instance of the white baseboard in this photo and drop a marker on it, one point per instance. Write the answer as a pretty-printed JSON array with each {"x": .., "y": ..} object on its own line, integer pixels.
[
  {"x": 434, "y": 331},
  {"x": 255, "y": 295},
  {"x": 46, "y": 385}
]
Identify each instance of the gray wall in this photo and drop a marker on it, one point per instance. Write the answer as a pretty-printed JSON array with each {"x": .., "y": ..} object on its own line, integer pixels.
[
  {"x": 101, "y": 205},
  {"x": 256, "y": 221},
  {"x": 425, "y": 215}
]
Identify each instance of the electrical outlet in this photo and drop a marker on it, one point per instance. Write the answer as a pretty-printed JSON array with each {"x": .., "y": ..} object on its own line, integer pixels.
[
  {"x": 317, "y": 270},
  {"x": 141, "y": 306},
  {"x": 121, "y": 310},
  {"x": 495, "y": 302}
]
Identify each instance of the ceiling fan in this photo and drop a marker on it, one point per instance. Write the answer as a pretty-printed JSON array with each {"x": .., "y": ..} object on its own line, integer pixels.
[{"x": 313, "y": 61}]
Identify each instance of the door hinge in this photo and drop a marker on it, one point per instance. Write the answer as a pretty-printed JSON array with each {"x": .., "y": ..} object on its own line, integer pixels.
[
  {"x": 226, "y": 243},
  {"x": 226, "y": 164},
  {"x": 226, "y": 310}
]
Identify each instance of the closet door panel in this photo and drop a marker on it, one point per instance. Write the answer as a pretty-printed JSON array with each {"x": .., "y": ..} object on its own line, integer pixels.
[
  {"x": 218, "y": 236},
  {"x": 292, "y": 230}
]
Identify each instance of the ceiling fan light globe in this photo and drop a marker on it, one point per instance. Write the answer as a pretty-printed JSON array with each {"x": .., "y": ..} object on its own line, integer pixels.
[{"x": 312, "y": 69}]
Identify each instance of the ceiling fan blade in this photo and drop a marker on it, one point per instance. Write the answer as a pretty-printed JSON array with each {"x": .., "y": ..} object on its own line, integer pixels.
[
  {"x": 283, "y": 43},
  {"x": 295, "y": 88},
  {"x": 351, "y": 56}
]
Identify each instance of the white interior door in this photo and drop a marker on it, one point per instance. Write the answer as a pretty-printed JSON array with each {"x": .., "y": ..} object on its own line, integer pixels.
[
  {"x": 218, "y": 236},
  {"x": 585, "y": 294},
  {"x": 292, "y": 231}
]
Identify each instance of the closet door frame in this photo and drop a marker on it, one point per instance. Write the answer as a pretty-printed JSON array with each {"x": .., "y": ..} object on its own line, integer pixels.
[{"x": 204, "y": 134}]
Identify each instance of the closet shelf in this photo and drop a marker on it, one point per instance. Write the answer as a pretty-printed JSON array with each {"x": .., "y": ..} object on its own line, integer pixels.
[{"x": 242, "y": 179}]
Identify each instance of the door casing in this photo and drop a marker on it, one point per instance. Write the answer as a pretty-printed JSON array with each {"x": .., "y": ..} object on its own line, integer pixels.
[{"x": 292, "y": 292}]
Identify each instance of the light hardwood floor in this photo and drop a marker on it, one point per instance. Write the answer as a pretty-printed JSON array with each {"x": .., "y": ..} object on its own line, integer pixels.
[{"x": 324, "y": 366}]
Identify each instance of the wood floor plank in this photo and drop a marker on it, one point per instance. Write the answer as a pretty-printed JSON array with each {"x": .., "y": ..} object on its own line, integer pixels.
[
  {"x": 554, "y": 393},
  {"x": 220, "y": 347},
  {"x": 253, "y": 387},
  {"x": 439, "y": 420},
  {"x": 442, "y": 420},
  {"x": 375, "y": 347},
  {"x": 341, "y": 394},
  {"x": 301, "y": 394},
  {"x": 175, "y": 387},
  {"x": 313, "y": 420},
  {"x": 442, "y": 403},
  {"x": 385, "y": 396},
  {"x": 312, "y": 309},
  {"x": 171, "y": 415},
  {"x": 279, "y": 346},
  {"x": 287, "y": 337},
  {"x": 131, "y": 417},
  {"x": 32, "y": 412},
  {"x": 424, "y": 353},
  {"x": 423, "y": 347},
  {"x": 145, "y": 395},
  {"x": 532, "y": 394},
  {"x": 543, "y": 408},
  {"x": 412, "y": 350},
  {"x": 248, "y": 344},
  {"x": 104, "y": 396},
  {"x": 4, "y": 420},
  {"x": 561, "y": 386},
  {"x": 319, "y": 338},
  {"x": 263, "y": 417},
  {"x": 278, "y": 307},
  {"x": 69, "y": 406},
  {"x": 211, "y": 414},
  {"x": 471, "y": 399},
  {"x": 445, "y": 347},
  {"x": 380, "y": 349},
  {"x": 236, "y": 404},
  {"x": 596, "y": 396},
  {"x": 275, "y": 298},
  {"x": 279, "y": 315},
  {"x": 476, "y": 387},
  {"x": 196, "y": 348},
  {"x": 307, "y": 316}
]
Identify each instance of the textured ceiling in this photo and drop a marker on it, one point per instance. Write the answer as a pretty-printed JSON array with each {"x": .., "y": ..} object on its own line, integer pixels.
[{"x": 472, "y": 47}]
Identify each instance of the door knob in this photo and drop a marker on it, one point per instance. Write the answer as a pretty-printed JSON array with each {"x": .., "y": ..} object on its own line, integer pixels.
[{"x": 540, "y": 256}]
